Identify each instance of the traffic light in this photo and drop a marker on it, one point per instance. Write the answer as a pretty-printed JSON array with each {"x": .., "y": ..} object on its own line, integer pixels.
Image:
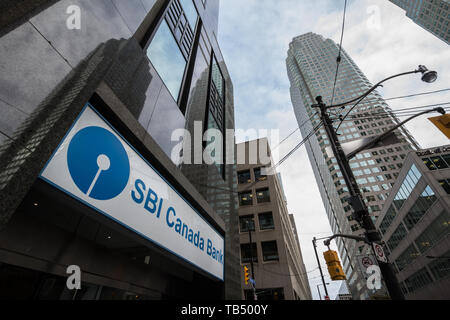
[
  {"x": 334, "y": 265},
  {"x": 246, "y": 275},
  {"x": 442, "y": 123}
]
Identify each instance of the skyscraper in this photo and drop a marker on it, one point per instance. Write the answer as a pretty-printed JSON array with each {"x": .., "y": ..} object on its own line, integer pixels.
[
  {"x": 432, "y": 15},
  {"x": 311, "y": 66}
]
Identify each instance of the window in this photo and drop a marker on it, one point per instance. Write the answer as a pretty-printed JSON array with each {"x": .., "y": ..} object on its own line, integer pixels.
[
  {"x": 246, "y": 223},
  {"x": 245, "y": 199},
  {"x": 420, "y": 207},
  {"x": 439, "y": 228},
  {"x": 387, "y": 220},
  {"x": 258, "y": 175},
  {"x": 190, "y": 12},
  {"x": 266, "y": 221},
  {"x": 418, "y": 280},
  {"x": 430, "y": 165},
  {"x": 446, "y": 185},
  {"x": 247, "y": 253},
  {"x": 216, "y": 113},
  {"x": 263, "y": 195},
  {"x": 396, "y": 237},
  {"x": 411, "y": 180},
  {"x": 440, "y": 268},
  {"x": 408, "y": 256},
  {"x": 168, "y": 60},
  {"x": 244, "y": 177},
  {"x": 439, "y": 163},
  {"x": 269, "y": 251}
]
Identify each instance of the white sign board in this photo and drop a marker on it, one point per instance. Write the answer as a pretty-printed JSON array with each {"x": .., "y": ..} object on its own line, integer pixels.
[
  {"x": 379, "y": 253},
  {"x": 365, "y": 261},
  {"x": 95, "y": 165}
]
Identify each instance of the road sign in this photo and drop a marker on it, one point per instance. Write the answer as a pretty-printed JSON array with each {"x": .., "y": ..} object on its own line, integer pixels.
[
  {"x": 379, "y": 252},
  {"x": 365, "y": 261}
]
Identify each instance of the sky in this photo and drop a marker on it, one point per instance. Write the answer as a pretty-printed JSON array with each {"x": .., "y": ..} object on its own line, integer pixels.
[{"x": 254, "y": 36}]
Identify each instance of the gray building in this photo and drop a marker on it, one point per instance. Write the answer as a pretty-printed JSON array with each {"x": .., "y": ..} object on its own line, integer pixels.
[
  {"x": 311, "y": 66},
  {"x": 280, "y": 273},
  {"x": 139, "y": 69},
  {"x": 432, "y": 15},
  {"x": 415, "y": 225}
]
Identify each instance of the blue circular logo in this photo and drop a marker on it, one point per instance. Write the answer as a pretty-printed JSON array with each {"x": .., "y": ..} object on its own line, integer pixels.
[{"x": 98, "y": 163}]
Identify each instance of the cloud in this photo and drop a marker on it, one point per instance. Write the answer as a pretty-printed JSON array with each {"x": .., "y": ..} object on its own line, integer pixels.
[{"x": 254, "y": 36}]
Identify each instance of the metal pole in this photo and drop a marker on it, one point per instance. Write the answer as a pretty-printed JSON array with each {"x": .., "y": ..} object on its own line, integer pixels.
[
  {"x": 251, "y": 262},
  {"x": 320, "y": 268},
  {"x": 356, "y": 201}
]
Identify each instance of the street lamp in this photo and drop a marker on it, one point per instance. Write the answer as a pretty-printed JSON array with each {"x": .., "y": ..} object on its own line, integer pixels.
[
  {"x": 427, "y": 75},
  {"x": 318, "y": 290},
  {"x": 356, "y": 200}
]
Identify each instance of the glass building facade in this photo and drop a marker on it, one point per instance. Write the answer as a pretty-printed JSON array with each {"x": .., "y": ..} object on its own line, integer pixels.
[
  {"x": 432, "y": 15},
  {"x": 416, "y": 225},
  {"x": 311, "y": 66},
  {"x": 149, "y": 68}
]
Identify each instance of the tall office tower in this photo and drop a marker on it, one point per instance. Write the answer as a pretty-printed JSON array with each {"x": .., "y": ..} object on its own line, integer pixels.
[
  {"x": 90, "y": 95},
  {"x": 311, "y": 66},
  {"x": 432, "y": 15},
  {"x": 280, "y": 273}
]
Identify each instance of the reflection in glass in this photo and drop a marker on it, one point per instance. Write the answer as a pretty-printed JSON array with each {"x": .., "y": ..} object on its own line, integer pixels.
[
  {"x": 167, "y": 59},
  {"x": 218, "y": 79},
  {"x": 190, "y": 12}
]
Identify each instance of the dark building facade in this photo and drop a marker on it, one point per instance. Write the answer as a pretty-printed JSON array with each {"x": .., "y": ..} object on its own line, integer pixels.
[
  {"x": 415, "y": 224},
  {"x": 144, "y": 69}
]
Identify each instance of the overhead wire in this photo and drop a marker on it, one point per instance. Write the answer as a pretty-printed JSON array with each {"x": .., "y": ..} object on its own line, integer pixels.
[
  {"x": 339, "y": 58},
  {"x": 417, "y": 94},
  {"x": 298, "y": 128},
  {"x": 298, "y": 145}
]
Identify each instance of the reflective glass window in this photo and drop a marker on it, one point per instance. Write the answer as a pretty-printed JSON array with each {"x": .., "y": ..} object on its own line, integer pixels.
[
  {"x": 190, "y": 12},
  {"x": 420, "y": 207},
  {"x": 440, "y": 267},
  {"x": 418, "y": 280},
  {"x": 439, "y": 228},
  {"x": 387, "y": 220},
  {"x": 408, "y": 256},
  {"x": 167, "y": 59},
  {"x": 396, "y": 237}
]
